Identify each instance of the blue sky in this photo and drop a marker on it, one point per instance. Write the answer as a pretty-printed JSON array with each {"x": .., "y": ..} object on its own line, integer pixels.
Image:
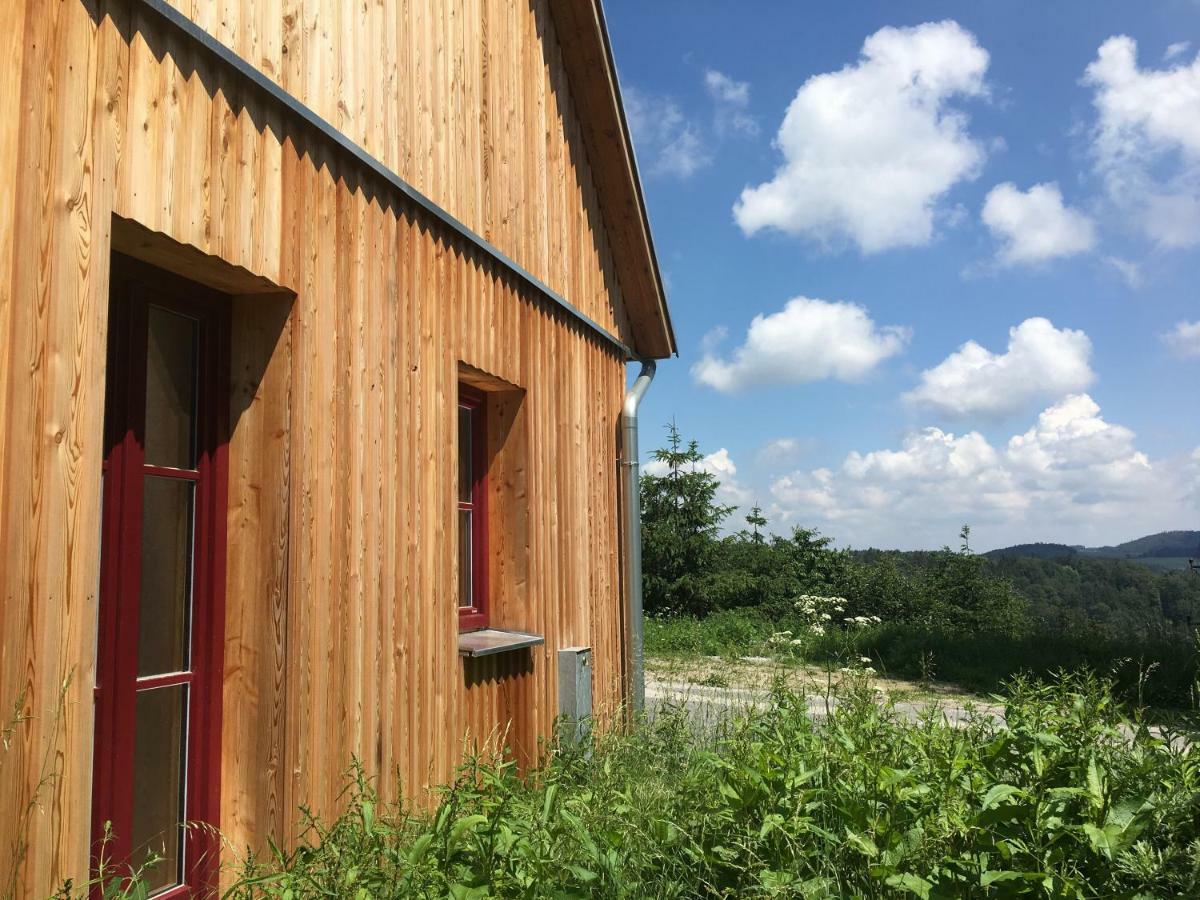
[{"x": 881, "y": 184}]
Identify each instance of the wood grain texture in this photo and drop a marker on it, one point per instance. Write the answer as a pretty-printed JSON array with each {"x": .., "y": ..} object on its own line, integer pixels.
[
  {"x": 354, "y": 319},
  {"x": 256, "y": 652}
]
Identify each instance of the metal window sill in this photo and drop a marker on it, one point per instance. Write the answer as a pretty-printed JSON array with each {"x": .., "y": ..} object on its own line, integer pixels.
[{"x": 488, "y": 641}]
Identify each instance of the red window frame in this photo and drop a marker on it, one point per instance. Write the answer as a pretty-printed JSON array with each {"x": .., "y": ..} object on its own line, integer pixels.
[
  {"x": 136, "y": 287},
  {"x": 474, "y": 616}
]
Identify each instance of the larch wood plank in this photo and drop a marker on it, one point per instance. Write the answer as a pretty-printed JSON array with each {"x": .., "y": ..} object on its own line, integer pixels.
[{"x": 24, "y": 682}]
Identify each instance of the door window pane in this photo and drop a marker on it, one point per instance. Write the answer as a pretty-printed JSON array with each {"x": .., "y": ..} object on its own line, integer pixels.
[
  {"x": 465, "y": 561},
  {"x": 465, "y": 474},
  {"x": 170, "y": 389},
  {"x": 166, "y": 576},
  {"x": 158, "y": 783}
]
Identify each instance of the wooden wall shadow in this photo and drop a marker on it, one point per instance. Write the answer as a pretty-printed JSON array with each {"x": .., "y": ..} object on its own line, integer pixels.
[{"x": 498, "y": 694}]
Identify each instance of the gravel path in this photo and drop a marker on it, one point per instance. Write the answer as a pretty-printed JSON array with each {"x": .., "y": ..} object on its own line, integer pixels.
[
  {"x": 712, "y": 689},
  {"x": 708, "y": 705}
]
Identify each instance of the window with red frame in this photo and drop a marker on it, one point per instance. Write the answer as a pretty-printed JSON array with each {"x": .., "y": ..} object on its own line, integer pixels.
[
  {"x": 472, "y": 510},
  {"x": 158, "y": 662}
]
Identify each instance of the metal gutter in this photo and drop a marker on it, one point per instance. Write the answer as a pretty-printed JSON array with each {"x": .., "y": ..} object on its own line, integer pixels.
[
  {"x": 633, "y": 531},
  {"x": 198, "y": 35}
]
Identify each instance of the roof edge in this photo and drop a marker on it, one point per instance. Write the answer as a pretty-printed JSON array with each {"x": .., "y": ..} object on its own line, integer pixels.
[{"x": 584, "y": 40}]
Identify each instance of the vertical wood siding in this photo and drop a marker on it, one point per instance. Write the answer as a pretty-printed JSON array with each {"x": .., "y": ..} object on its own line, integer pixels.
[{"x": 341, "y": 622}]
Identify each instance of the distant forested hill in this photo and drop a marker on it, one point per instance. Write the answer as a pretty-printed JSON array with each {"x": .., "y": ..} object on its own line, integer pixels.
[
  {"x": 1037, "y": 551},
  {"x": 1118, "y": 597},
  {"x": 1165, "y": 550},
  {"x": 1163, "y": 544},
  {"x": 1140, "y": 589}
]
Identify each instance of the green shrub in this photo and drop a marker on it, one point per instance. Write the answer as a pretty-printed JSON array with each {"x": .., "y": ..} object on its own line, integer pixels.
[
  {"x": 1067, "y": 799},
  {"x": 730, "y": 633},
  {"x": 1160, "y": 672}
]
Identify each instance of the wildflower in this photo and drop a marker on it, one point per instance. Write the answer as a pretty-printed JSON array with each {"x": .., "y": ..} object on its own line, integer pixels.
[
  {"x": 826, "y": 617},
  {"x": 818, "y": 629},
  {"x": 869, "y": 671},
  {"x": 865, "y": 660},
  {"x": 796, "y": 642}
]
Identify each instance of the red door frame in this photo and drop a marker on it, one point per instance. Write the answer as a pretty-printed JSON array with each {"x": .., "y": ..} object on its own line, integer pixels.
[
  {"x": 475, "y": 616},
  {"x": 134, "y": 288}
]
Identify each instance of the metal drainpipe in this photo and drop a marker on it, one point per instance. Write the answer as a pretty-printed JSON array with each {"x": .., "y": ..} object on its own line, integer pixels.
[{"x": 633, "y": 530}]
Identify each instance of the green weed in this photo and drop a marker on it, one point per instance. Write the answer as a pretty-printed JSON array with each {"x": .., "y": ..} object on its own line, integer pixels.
[{"x": 1065, "y": 798}]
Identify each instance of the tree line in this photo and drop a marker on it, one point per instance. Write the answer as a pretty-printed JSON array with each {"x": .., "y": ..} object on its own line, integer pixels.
[{"x": 1017, "y": 612}]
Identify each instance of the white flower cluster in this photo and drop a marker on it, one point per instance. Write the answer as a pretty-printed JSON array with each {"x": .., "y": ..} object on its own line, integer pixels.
[
  {"x": 861, "y": 667},
  {"x": 812, "y": 604},
  {"x": 818, "y": 614},
  {"x": 863, "y": 620},
  {"x": 784, "y": 637},
  {"x": 818, "y": 611}
]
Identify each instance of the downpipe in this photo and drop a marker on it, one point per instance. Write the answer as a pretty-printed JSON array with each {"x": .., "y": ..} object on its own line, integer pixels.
[{"x": 633, "y": 531}]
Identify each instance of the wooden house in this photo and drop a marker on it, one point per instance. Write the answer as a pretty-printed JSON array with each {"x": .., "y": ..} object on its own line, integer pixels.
[{"x": 315, "y": 319}]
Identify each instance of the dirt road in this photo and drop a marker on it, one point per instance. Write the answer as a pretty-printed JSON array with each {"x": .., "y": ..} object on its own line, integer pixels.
[{"x": 713, "y": 689}]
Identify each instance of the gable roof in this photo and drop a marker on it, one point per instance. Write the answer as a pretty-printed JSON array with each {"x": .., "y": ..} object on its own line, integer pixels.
[{"x": 591, "y": 72}]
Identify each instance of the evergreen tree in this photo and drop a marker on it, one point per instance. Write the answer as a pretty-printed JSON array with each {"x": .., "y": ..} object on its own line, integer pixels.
[
  {"x": 680, "y": 523},
  {"x": 756, "y": 521},
  {"x": 963, "y": 593}
]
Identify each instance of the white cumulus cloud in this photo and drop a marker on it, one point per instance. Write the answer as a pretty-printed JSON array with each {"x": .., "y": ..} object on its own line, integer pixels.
[
  {"x": 870, "y": 151},
  {"x": 806, "y": 341},
  {"x": 732, "y": 101},
  {"x": 1184, "y": 339},
  {"x": 1146, "y": 141},
  {"x": 1035, "y": 226},
  {"x": 1067, "y": 478},
  {"x": 1041, "y": 362}
]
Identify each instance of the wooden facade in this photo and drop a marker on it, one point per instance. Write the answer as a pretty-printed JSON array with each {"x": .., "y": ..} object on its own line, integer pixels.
[{"x": 355, "y": 315}]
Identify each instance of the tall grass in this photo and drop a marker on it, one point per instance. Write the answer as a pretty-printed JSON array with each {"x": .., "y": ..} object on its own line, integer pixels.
[{"x": 1067, "y": 798}]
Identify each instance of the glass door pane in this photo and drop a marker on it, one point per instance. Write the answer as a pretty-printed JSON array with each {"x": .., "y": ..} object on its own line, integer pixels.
[
  {"x": 165, "y": 609},
  {"x": 466, "y": 597},
  {"x": 170, "y": 389},
  {"x": 466, "y": 479},
  {"x": 159, "y": 782}
]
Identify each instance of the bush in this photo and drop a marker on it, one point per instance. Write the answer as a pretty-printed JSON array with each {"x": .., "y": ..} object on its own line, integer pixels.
[
  {"x": 1066, "y": 799},
  {"x": 1160, "y": 672},
  {"x": 730, "y": 633}
]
